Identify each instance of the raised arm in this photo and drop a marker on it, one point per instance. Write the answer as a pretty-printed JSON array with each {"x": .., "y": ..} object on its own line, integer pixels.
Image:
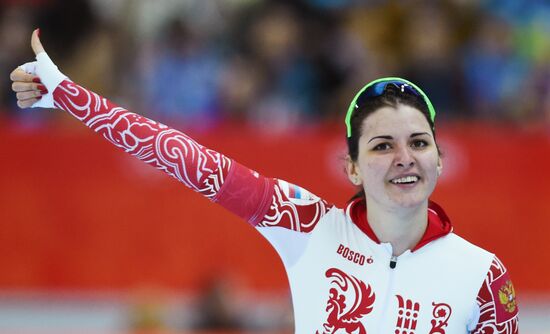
[
  {"x": 253, "y": 197},
  {"x": 164, "y": 148},
  {"x": 199, "y": 168}
]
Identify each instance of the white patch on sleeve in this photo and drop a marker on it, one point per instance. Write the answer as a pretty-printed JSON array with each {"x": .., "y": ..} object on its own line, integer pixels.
[{"x": 296, "y": 194}]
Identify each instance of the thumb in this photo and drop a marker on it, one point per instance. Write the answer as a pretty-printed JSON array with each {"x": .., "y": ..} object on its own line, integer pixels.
[
  {"x": 46, "y": 70},
  {"x": 35, "y": 42}
]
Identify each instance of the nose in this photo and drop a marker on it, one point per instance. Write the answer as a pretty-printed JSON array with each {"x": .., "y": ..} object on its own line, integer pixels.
[{"x": 403, "y": 158}]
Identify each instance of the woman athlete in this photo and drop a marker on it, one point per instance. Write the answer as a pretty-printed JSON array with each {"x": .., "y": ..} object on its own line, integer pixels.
[{"x": 386, "y": 263}]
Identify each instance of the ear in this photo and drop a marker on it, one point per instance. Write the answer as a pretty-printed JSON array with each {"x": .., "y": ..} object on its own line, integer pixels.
[
  {"x": 353, "y": 171},
  {"x": 439, "y": 166}
]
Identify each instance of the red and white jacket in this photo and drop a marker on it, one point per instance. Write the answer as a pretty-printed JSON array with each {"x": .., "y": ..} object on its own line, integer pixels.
[{"x": 342, "y": 279}]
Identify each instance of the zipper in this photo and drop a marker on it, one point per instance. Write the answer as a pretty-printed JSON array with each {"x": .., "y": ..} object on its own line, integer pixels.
[
  {"x": 393, "y": 262},
  {"x": 389, "y": 292}
]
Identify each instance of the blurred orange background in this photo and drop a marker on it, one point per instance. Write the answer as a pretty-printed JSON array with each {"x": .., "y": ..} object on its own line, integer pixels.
[{"x": 75, "y": 213}]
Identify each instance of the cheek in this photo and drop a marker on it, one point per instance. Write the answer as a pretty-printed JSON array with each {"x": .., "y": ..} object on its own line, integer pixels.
[
  {"x": 431, "y": 166},
  {"x": 374, "y": 169}
]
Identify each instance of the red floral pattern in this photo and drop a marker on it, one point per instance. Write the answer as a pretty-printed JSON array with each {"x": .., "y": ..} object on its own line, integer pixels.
[
  {"x": 164, "y": 148},
  {"x": 293, "y": 215}
]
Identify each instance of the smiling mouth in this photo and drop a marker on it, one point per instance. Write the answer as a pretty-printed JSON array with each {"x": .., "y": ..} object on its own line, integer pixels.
[{"x": 411, "y": 179}]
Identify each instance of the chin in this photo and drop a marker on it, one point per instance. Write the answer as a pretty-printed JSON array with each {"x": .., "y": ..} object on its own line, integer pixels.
[
  {"x": 410, "y": 198},
  {"x": 409, "y": 204},
  {"x": 409, "y": 201}
]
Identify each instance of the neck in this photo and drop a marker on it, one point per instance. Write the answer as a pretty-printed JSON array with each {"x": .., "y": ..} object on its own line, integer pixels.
[{"x": 402, "y": 228}]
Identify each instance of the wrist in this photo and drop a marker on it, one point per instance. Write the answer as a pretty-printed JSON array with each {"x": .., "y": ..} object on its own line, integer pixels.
[{"x": 48, "y": 72}]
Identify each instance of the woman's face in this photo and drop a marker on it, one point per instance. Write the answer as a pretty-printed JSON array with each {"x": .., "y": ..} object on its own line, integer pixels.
[{"x": 398, "y": 163}]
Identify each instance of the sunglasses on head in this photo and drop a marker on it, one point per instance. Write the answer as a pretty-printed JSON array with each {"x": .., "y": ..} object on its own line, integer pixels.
[{"x": 377, "y": 87}]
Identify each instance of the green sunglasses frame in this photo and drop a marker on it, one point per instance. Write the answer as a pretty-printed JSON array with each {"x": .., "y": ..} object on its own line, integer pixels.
[{"x": 353, "y": 103}]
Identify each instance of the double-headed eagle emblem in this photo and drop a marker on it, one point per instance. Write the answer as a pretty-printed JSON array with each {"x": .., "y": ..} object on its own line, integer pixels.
[{"x": 507, "y": 297}]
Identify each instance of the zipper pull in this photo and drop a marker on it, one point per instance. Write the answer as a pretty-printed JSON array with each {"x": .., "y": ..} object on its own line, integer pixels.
[{"x": 393, "y": 262}]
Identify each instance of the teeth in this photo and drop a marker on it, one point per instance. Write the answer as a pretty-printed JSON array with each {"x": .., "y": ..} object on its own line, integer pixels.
[{"x": 406, "y": 179}]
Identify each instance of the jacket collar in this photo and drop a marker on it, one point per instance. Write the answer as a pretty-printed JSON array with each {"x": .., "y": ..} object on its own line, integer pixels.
[{"x": 438, "y": 226}]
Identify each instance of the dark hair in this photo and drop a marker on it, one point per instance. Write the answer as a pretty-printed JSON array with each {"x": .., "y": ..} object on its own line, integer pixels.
[{"x": 391, "y": 97}]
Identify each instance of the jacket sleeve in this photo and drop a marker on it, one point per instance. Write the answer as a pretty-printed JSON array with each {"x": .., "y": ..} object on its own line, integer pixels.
[
  {"x": 497, "y": 304},
  {"x": 251, "y": 196}
]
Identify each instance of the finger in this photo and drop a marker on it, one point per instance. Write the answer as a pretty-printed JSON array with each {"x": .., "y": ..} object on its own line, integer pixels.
[
  {"x": 35, "y": 42},
  {"x": 19, "y": 86},
  {"x": 27, "y": 103},
  {"x": 28, "y": 95},
  {"x": 19, "y": 75}
]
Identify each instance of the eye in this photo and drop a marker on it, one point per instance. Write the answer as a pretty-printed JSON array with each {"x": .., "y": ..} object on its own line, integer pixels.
[
  {"x": 382, "y": 147},
  {"x": 419, "y": 143}
]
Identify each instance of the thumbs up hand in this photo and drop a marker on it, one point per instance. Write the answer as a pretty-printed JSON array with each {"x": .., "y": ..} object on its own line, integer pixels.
[{"x": 36, "y": 81}]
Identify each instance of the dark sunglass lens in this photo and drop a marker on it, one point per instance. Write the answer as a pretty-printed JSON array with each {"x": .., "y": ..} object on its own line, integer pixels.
[
  {"x": 373, "y": 91},
  {"x": 378, "y": 89}
]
